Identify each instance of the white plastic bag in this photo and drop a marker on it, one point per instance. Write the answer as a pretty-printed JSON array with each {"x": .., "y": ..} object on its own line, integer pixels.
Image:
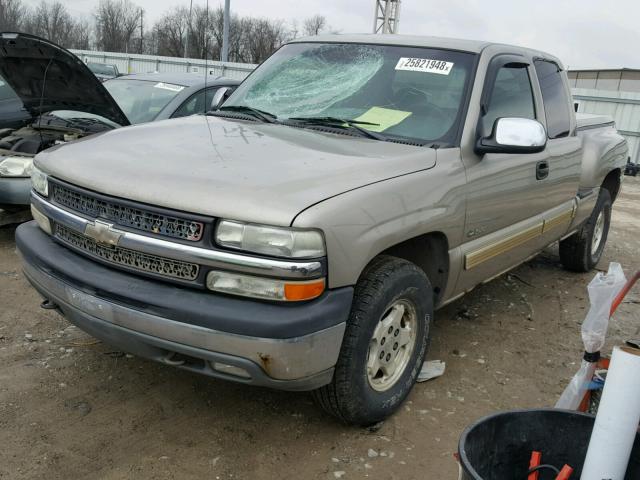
[
  {"x": 574, "y": 393},
  {"x": 602, "y": 291}
]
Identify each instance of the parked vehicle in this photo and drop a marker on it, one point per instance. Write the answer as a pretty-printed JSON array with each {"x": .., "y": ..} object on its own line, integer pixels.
[
  {"x": 631, "y": 168},
  {"x": 73, "y": 104},
  {"x": 147, "y": 97},
  {"x": 301, "y": 236},
  {"x": 104, "y": 71}
]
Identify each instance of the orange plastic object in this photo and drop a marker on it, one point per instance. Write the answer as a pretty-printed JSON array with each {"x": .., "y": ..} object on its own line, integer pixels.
[
  {"x": 304, "y": 291},
  {"x": 627, "y": 286},
  {"x": 536, "y": 460},
  {"x": 565, "y": 473}
]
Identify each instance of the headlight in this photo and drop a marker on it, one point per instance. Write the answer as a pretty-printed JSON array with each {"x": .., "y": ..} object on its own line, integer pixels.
[
  {"x": 16, "y": 167},
  {"x": 264, "y": 288},
  {"x": 275, "y": 241},
  {"x": 39, "y": 181}
]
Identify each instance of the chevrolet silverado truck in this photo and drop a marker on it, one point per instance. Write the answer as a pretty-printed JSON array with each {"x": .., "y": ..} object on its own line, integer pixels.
[{"x": 301, "y": 235}]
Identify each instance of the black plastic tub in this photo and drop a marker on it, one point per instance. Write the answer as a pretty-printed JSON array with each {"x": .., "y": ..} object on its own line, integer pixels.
[{"x": 498, "y": 447}]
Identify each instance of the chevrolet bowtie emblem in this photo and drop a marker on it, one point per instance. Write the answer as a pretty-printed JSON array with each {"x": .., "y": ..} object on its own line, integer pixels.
[{"x": 103, "y": 232}]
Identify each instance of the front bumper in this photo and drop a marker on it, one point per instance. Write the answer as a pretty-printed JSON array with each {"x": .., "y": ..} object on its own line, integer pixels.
[
  {"x": 15, "y": 191},
  {"x": 290, "y": 347}
]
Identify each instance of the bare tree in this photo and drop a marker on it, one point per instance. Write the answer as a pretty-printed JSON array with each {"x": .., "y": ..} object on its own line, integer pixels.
[
  {"x": 81, "y": 35},
  {"x": 263, "y": 38},
  {"x": 117, "y": 27},
  {"x": 52, "y": 21},
  {"x": 200, "y": 32},
  {"x": 116, "y": 23},
  {"x": 314, "y": 25},
  {"x": 171, "y": 31},
  {"x": 12, "y": 15}
]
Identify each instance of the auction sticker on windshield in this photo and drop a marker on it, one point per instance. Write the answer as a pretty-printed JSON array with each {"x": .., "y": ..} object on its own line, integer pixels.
[
  {"x": 424, "y": 65},
  {"x": 169, "y": 86}
]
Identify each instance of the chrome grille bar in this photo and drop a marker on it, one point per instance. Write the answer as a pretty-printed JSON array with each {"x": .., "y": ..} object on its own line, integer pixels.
[
  {"x": 128, "y": 258},
  {"x": 125, "y": 215}
]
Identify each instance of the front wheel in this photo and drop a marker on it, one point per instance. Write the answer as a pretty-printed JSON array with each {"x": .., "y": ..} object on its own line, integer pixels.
[
  {"x": 384, "y": 345},
  {"x": 582, "y": 251}
]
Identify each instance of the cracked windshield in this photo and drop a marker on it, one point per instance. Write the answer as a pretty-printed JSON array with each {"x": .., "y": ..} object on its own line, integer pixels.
[{"x": 400, "y": 92}]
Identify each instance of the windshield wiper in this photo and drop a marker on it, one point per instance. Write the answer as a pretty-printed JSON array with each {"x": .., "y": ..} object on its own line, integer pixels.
[
  {"x": 342, "y": 123},
  {"x": 259, "y": 114}
]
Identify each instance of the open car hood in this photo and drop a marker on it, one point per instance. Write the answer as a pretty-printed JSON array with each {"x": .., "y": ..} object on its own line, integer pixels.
[{"x": 47, "y": 77}]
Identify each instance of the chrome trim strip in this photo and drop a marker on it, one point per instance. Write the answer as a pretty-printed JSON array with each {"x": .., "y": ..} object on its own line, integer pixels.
[
  {"x": 282, "y": 359},
  {"x": 298, "y": 269},
  {"x": 562, "y": 219},
  {"x": 481, "y": 255}
]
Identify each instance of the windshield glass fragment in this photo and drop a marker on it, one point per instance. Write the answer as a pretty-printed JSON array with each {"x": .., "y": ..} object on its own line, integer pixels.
[{"x": 403, "y": 92}]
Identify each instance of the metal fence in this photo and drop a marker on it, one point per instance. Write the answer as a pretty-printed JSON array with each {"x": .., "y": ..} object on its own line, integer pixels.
[
  {"x": 623, "y": 107},
  {"x": 134, "y": 63}
]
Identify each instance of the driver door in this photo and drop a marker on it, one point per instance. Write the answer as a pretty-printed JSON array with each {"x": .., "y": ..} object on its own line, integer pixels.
[{"x": 507, "y": 194}]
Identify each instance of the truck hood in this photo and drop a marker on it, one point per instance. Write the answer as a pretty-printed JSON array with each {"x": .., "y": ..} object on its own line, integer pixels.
[
  {"x": 264, "y": 173},
  {"x": 28, "y": 62}
]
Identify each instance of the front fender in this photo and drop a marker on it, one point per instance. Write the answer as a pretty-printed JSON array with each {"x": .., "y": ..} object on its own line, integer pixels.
[{"x": 362, "y": 223}]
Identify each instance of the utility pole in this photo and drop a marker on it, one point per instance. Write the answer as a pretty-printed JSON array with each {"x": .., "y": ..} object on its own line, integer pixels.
[
  {"x": 186, "y": 42},
  {"x": 387, "y": 16},
  {"x": 225, "y": 32},
  {"x": 141, "y": 32}
]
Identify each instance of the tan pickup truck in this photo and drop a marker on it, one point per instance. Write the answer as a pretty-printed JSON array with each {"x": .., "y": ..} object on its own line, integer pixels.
[{"x": 301, "y": 235}]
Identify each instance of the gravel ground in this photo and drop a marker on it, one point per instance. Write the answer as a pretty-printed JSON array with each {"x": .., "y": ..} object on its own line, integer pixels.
[{"x": 72, "y": 408}]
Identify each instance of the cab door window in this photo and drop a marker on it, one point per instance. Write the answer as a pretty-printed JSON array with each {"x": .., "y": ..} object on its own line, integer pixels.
[{"x": 511, "y": 96}]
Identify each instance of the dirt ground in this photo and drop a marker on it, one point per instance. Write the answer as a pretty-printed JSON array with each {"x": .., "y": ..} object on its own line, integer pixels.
[{"x": 71, "y": 408}]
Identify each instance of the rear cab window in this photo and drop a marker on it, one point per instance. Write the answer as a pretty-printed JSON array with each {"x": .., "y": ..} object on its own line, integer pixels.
[{"x": 554, "y": 97}]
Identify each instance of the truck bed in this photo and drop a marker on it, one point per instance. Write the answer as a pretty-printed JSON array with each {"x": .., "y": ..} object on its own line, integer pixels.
[{"x": 586, "y": 121}]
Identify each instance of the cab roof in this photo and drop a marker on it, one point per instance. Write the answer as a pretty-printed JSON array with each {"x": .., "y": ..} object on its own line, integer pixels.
[{"x": 463, "y": 45}]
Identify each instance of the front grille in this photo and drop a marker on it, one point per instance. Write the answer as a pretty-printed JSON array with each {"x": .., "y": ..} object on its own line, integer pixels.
[
  {"x": 128, "y": 258},
  {"x": 125, "y": 215}
]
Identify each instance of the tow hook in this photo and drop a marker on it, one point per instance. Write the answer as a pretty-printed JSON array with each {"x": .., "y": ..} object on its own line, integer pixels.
[{"x": 48, "y": 305}]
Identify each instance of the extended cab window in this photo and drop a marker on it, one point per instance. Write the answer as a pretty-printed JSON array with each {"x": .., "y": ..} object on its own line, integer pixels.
[
  {"x": 511, "y": 96},
  {"x": 554, "y": 96}
]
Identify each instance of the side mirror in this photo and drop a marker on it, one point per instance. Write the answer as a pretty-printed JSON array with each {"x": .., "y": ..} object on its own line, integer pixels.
[
  {"x": 220, "y": 96},
  {"x": 513, "y": 135}
]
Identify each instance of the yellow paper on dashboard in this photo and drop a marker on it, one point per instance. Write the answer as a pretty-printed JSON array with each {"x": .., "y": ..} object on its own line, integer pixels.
[{"x": 383, "y": 117}]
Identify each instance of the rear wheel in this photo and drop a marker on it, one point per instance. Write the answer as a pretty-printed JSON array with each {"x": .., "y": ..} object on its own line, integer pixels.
[
  {"x": 384, "y": 344},
  {"x": 582, "y": 251}
]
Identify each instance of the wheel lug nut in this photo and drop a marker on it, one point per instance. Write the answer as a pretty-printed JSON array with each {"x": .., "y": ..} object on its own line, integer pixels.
[
  {"x": 396, "y": 333},
  {"x": 390, "y": 329},
  {"x": 388, "y": 357},
  {"x": 384, "y": 339},
  {"x": 395, "y": 346},
  {"x": 381, "y": 355}
]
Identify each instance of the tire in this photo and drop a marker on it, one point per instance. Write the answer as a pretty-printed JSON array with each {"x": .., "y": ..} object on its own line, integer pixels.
[
  {"x": 578, "y": 252},
  {"x": 390, "y": 288}
]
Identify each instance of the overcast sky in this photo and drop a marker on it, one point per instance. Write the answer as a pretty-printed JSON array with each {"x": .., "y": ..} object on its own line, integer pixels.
[{"x": 583, "y": 33}]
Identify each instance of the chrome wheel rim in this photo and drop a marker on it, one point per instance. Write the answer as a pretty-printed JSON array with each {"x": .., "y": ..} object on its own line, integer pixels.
[
  {"x": 392, "y": 345},
  {"x": 598, "y": 231}
]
